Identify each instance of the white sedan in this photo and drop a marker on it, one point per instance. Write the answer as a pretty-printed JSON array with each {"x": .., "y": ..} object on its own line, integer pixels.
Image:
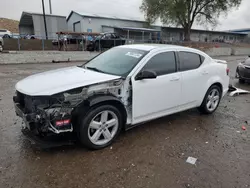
[{"x": 118, "y": 89}]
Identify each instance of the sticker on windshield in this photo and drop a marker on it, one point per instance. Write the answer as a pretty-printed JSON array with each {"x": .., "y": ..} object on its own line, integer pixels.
[{"x": 133, "y": 54}]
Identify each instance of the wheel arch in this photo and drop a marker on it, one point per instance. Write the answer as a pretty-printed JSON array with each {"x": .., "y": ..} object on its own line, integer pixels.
[
  {"x": 98, "y": 100},
  {"x": 213, "y": 81},
  {"x": 219, "y": 85}
]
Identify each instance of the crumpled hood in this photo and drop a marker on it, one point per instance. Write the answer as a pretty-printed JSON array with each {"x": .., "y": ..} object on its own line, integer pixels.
[{"x": 60, "y": 80}]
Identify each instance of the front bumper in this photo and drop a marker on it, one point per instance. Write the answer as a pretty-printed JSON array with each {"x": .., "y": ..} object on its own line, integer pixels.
[{"x": 47, "y": 139}]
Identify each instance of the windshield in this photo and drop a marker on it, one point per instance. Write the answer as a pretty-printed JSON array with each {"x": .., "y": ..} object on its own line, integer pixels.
[{"x": 116, "y": 61}]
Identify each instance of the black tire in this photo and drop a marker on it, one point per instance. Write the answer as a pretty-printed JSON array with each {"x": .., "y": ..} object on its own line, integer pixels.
[
  {"x": 84, "y": 124},
  {"x": 203, "y": 108},
  {"x": 241, "y": 81}
]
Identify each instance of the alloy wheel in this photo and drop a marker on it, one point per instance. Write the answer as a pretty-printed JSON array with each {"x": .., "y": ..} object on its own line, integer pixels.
[
  {"x": 213, "y": 100},
  {"x": 103, "y": 127}
]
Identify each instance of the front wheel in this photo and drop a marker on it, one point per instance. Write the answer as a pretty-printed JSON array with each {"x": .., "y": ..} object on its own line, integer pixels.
[
  {"x": 211, "y": 100},
  {"x": 100, "y": 126}
]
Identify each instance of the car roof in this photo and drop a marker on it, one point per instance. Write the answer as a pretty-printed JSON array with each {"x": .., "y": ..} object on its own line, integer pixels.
[{"x": 149, "y": 47}]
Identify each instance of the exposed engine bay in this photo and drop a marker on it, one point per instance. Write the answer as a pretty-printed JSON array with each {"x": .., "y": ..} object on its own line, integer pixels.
[{"x": 53, "y": 114}]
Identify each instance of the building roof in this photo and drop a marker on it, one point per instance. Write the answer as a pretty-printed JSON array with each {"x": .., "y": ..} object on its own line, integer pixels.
[
  {"x": 200, "y": 30},
  {"x": 134, "y": 29},
  {"x": 105, "y": 16},
  {"x": 41, "y": 14},
  {"x": 26, "y": 17},
  {"x": 247, "y": 30}
]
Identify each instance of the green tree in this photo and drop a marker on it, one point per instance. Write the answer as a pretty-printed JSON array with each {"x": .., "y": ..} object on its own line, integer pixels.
[{"x": 184, "y": 12}]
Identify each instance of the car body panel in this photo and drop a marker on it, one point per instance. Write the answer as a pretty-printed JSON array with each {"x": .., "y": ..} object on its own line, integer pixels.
[{"x": 60, "y": 80}]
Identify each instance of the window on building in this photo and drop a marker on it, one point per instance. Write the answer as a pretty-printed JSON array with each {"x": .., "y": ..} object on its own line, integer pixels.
[
  {"x": 163, "y": 63},
  {"x": 190, "y": 61}
]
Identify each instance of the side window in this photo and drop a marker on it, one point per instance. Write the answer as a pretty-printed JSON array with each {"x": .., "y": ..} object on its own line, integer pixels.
[
  {"x": 163, "y": 63},
  {"x": 113, "y": 36},
  {"x": 107, "y": 36},
  {"x": 190, "y": 61}
]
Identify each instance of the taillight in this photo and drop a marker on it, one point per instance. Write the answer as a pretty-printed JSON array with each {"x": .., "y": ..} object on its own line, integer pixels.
[{"x": 228, "y": 70}]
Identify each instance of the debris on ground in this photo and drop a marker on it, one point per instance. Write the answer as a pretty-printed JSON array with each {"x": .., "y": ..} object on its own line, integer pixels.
[
  {"x": 243, "y": 128},
  {"x": 206, "y": 142},
  {"x": 191, "y": 160},
  {"x": 234, "y": 90}
]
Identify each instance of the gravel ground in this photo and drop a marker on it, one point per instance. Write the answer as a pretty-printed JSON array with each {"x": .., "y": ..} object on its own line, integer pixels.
[{"x": 151, "y": 155}]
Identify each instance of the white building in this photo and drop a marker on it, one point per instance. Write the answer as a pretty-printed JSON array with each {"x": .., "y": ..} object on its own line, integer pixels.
[{"x": 78, "y": 22}]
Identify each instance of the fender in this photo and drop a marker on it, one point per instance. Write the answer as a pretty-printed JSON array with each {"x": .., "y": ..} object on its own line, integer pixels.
[
  {"x": 102, "y": 98},
  {"x": 112, "y": 99},
  {"x": 213, "y": 80}
]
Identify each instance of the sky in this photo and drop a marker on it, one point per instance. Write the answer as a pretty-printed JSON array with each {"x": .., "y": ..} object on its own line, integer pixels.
[{"x": 120, "y": 8}]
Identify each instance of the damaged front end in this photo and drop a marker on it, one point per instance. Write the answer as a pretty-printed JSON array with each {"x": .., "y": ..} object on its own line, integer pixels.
[{"x": 44, "y": 115}]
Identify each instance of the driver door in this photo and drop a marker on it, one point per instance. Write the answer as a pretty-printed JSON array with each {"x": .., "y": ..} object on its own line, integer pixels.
[{"x": 154, "y": 98}]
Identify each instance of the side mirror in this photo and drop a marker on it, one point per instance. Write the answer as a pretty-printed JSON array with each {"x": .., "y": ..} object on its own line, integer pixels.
[{"x": 146, "y": 74}]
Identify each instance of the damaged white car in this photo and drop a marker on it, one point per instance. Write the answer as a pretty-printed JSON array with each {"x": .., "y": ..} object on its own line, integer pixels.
[{"x": 118, "y": 89}]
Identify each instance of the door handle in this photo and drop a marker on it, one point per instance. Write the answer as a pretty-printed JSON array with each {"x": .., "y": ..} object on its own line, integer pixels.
[
  {"x": 204, "y": 73},
  {"x": 175, "y": 79}
]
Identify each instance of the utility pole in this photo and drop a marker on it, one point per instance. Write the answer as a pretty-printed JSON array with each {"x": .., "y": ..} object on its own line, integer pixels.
[
  {"x": 44, "y": 18},
  {"x": 50, "y": 7}
]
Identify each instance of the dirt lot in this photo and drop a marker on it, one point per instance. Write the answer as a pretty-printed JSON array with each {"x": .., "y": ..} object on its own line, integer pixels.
[{"x": 151, "y": 155}]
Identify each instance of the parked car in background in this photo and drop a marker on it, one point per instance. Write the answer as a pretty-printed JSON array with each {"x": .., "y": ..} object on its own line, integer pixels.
[
  {"x": 1, "y": 44},
  {"x": 4, "y": 33},
  {"x": 105, "y": 40},
  {"x": 118, "y": 89},
  {"x": 243, "y": 71},
  {"x": 29, "y": 37}
]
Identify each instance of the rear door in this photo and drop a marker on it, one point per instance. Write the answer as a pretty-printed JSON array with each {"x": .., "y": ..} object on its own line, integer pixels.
[{"x": 194, "y": 75}]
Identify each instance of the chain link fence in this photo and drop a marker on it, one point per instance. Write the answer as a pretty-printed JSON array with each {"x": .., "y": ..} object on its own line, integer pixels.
[{"x": 96, "y": 43}]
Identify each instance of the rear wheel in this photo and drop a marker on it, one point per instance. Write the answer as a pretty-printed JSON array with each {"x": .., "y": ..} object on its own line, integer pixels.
[
  {"x": 211, "y": 100},
  {"x": 100, "y": 127}
]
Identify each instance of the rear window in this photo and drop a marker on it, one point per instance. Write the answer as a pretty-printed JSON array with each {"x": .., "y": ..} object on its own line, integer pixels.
[
  {"x": 190, "y": 61},
  {"x": 2, "y": 30}
]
